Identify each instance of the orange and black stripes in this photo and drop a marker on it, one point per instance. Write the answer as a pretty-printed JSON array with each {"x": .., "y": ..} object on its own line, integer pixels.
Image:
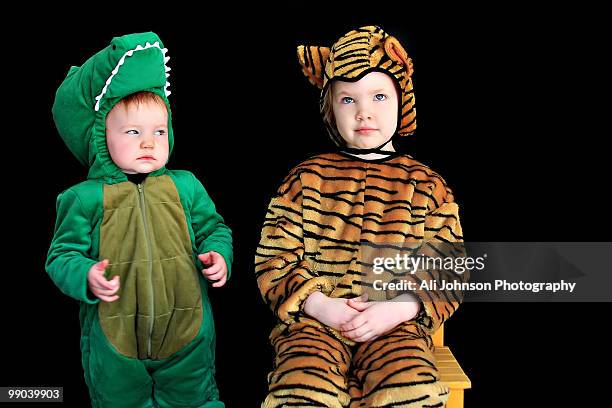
[
  {"x": 316, "y": 226},
  {"x": 330, "y": 206},
  {"x": 354, "y": 55},
  {"x": 313, "y": 368},
  {"x": 396, "y": 370}
]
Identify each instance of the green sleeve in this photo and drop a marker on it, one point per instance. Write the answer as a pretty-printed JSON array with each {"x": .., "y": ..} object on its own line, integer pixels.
[
  {"x": 210, "y": 231},
  {"x": 68, "y": 259}
]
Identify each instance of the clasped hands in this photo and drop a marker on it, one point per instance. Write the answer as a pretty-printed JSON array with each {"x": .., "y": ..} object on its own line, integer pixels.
[{"x": 360, "y": 320}]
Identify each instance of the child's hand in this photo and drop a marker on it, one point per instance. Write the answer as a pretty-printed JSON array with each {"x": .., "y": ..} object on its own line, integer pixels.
[
  {"x": 377, "y": 318},
  {"x": 98, "y": 284},
  {"x": 216, "y": 268},
  {"x": 332, "y": 312}
]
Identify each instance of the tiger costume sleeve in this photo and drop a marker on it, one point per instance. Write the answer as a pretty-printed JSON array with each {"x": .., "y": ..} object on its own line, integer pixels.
[
  {"x": 442, "y": 234},
  {"x": 284, "y": 276}
]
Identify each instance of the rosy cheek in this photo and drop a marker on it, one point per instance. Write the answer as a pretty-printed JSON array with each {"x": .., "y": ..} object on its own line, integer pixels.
[{"x": 121, "y": 145}]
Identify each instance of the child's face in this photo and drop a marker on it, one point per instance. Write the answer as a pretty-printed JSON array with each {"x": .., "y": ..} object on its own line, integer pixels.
[
  {"x": 366, "y": 110},
  {"x": 137, "y": 137}
]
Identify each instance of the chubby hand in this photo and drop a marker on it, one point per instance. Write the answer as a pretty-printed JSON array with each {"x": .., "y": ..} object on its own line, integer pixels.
[
  {"x": 377, "y": 318},
  {"x": 215, "y": 268},
  {"x": 101, "y": 287},
  {"x": 333, "y": 312}
]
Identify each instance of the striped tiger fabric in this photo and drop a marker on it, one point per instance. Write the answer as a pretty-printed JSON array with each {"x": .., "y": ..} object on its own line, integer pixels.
[
  {"x": 312, "y": 240},
  {"x": 353, "y": 56},
  {"x": 315, "y": 369}
]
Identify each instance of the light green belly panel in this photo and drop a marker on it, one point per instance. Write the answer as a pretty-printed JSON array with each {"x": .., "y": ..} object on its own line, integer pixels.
[{"x": 144, "y": 235}]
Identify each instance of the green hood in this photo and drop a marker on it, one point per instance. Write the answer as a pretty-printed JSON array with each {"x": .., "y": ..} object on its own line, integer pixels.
[{"x": 131, "y": 63}]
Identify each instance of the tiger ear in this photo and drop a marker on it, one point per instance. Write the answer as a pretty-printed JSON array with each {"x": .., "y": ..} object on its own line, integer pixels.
[
  {"x": 397, "y": 53},
  {"x": 313, "y": 59}
]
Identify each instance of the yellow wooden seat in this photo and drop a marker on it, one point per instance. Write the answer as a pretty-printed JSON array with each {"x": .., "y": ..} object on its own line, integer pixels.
[{"x": 450, "y": 371}]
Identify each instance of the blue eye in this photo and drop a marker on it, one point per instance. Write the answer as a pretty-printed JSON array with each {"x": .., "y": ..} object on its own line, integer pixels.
[
  {"x": 132, "y": 132},
  {"x": 380, "y": 97},
  {"x": 347, "y": 99}
]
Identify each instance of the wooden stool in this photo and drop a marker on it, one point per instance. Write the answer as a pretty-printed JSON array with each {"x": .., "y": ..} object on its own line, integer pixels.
[{"x": 450, "y": 371}]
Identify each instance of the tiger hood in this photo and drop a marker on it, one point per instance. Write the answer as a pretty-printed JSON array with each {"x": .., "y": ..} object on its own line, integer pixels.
[
  {"x": 353, "y": 56},
  {"x": 129, "y": 64}
]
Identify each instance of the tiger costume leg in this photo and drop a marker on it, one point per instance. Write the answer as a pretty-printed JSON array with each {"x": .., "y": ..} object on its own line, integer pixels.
[
  {"x": 310, "y": 368},
  {"x": 396, "y": 370},
  {"x": 314, "y": 369}
]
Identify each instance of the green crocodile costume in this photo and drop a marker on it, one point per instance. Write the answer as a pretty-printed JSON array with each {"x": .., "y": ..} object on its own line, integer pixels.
[{"x": 154, "y": 346}]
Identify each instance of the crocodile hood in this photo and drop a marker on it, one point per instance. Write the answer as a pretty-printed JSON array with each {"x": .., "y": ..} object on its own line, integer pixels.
[{"x": 129, "y": 64}]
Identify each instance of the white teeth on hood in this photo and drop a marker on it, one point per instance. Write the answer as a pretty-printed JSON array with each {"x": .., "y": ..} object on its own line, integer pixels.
[{"x": 129, "y": 53}]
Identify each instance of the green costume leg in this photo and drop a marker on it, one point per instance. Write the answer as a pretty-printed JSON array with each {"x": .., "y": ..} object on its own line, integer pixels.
[
  {"x": 187, "y": 378},
  {"x": 183, "y": 380},
  {"x": 115, "y": 380}
]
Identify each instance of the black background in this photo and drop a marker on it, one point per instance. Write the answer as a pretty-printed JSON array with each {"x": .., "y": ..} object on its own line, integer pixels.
[{"x": 510, "y": 112}]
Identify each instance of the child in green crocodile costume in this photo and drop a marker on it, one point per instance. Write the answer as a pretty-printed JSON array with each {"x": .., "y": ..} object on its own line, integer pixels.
[{"x": 130, "y": 241}]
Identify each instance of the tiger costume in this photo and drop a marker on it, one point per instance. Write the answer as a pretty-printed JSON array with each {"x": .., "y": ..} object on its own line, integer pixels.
[{"x": 312, "y": 239}]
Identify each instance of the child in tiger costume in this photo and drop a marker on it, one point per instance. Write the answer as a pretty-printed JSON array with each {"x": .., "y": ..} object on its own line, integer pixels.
[{"x": 333, "y": 347}]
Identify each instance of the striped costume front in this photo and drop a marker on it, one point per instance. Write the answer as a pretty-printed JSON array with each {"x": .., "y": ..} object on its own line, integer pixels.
[{"x": 326, "y": 208}]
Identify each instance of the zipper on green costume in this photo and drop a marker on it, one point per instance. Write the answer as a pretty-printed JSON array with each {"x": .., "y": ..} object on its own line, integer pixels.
[{"x": 150, "y": 267}]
